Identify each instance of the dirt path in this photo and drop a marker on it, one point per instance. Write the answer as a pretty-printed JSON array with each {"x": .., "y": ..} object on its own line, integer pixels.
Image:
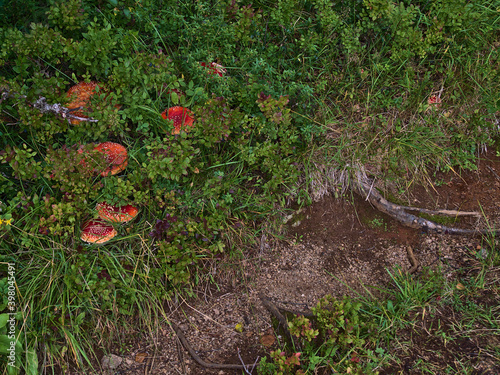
[{"x": 335, "y": 246}]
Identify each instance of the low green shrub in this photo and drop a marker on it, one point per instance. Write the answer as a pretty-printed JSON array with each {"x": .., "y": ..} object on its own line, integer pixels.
[{"x": 341, "y": 337}]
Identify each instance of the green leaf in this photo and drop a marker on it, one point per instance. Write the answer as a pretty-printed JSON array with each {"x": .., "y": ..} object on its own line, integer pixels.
[
  {"x": 11, "y": 370},
  {"x": 79, "y": 318},
  {"x": 174, "y": 97},
  {"x": 32, "y": 362},
  {"x": 4, "y": 344},
  {"x": 3, "y": 320}
]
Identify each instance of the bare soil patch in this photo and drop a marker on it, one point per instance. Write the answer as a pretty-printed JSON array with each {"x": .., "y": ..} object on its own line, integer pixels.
[{"x": 338, "y": 247}]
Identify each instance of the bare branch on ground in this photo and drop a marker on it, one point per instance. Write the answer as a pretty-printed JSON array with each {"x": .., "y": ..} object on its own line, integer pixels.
[{"x": 44, "y": 107}]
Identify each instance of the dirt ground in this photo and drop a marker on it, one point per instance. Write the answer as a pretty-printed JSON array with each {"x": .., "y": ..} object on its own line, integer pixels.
[{"x": 335, "y": 246}]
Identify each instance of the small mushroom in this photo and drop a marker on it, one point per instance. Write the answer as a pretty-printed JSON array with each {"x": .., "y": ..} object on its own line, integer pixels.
[
  {"x": 117, "y": 214},
  {"x": 116, "y": 157},
  {"x": 181, "y": 117},
  {"x": 214, "y": 68},
  {"x": 434, "y": 100},
  {"x": 97, "y": 232}
]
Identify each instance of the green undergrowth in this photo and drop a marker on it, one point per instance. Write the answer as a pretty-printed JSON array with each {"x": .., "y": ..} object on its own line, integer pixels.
[
  {"x": 305, "y": 85},
  {"x": 382, "y": 330}
]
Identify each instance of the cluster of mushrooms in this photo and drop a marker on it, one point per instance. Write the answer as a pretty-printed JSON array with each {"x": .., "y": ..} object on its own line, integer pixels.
[{"x": 101, "y": 230}]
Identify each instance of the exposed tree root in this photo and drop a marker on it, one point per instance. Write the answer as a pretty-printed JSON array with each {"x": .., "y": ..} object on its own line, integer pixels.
[
  {"x": 197, "y": 358},
  {"x": 411, "y": 258},
  {"x": 273, "y": 308},
  {"x": 362, "y": 187},
  {"x": 452, "y": 213},
  {"x": 276, "y": 312},
  {"x": 269, "y": 305}
]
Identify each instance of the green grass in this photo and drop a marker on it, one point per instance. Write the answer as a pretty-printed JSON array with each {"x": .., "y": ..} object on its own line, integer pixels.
[{"x": 312, "y": 91}]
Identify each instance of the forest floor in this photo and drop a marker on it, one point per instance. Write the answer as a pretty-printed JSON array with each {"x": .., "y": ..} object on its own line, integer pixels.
[{"x": 340, "y": 247}]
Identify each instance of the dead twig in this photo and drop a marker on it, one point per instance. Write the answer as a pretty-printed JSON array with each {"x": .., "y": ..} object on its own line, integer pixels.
[
  {"x": 245, "y": 368},
  {"x": 493, "y": 171}
]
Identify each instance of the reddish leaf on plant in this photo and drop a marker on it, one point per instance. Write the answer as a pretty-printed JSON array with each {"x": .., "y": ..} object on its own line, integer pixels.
[
  {"x": 117, "y": 214},
  {"x": 294, "y": 359},
  {"x": 97, "y": 232},
  {"x": 214, "y": 68},
  {"x": 178, "y": 92},
  {"x": 355, "y": 359},
  {"x": 181, "y": 117}
]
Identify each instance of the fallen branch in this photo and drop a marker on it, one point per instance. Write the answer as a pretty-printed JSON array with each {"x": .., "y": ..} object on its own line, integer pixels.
[
  {"x": 44, "y": 107},
  {"x": 361, "y": 186},
  {"x": 66, "y": 113},
  {"x": 197, "y": 358}
]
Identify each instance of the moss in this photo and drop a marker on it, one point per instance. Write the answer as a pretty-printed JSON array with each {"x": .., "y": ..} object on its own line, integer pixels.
[
  {"x": 297, "y": 219},
  {"x": 392, "y": 198},
  {"x": 439, "y": 219}
]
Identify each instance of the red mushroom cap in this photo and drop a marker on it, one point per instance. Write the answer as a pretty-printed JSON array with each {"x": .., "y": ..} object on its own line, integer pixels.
[
  {"x": 214, "y": 68},
  {"x": 116, "y": 157},
  {"x": 80, "y": 95},
  {"x": 117, "y": 214},
  {"x": 434, "y": 101},
  {"x": 182, "y": 118},
  {"x": 97, "y": 231}
]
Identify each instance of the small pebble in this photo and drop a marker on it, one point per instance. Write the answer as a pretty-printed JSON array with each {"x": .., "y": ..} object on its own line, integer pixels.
[{"x": 111, "y": 361}]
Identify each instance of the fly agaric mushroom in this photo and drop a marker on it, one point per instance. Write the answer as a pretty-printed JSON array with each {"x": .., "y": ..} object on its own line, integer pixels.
[
  {"x": 115, "y": 155},
  {"x": 182, "y": 118},
  {"x": 97, "y": 231},
  {"x": 80, "y": 95},
  {"x": 214, "y": 68},
  {"x": 116, "y": 214},
  {"x": 434, "y": 101}
]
